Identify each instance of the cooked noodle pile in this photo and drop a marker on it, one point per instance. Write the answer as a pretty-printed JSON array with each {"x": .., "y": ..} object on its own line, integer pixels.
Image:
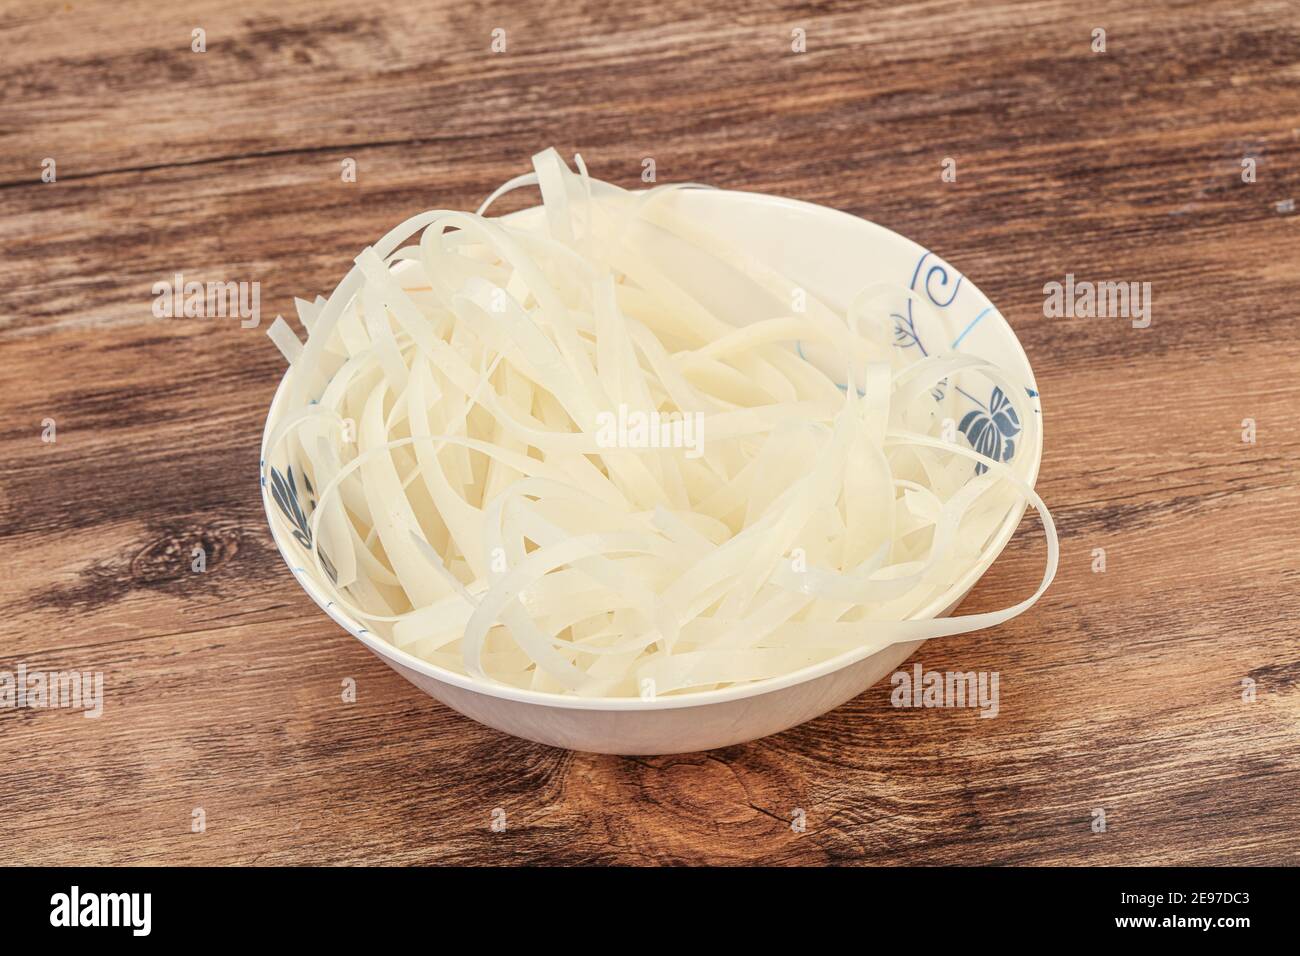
[{"x": 593, "y": 450}]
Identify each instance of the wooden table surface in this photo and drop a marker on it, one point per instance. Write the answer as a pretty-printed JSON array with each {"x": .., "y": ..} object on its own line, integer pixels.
[{"x": 1121, "y": 691}]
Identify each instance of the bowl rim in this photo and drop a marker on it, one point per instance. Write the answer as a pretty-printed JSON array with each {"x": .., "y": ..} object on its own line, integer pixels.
[{"x": 937, "y": 608}]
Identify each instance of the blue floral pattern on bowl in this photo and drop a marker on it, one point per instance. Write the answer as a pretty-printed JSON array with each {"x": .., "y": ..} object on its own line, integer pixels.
[
  {"x": 284, "y": 489},
  {"x": 990, "y": 428}
]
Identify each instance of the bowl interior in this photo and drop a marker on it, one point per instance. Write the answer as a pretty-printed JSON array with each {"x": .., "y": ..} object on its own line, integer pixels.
[{"x": 831, "y": 255}]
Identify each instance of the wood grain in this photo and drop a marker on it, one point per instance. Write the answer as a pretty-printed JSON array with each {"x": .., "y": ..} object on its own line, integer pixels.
[{"x": 1121, "y": 690}]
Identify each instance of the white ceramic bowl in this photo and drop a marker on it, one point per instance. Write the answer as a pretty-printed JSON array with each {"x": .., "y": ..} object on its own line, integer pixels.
[{"x": 832, "y": 255}]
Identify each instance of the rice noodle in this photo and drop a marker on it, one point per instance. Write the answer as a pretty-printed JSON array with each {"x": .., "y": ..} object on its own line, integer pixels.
[{"x": 451, "y": 412}]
